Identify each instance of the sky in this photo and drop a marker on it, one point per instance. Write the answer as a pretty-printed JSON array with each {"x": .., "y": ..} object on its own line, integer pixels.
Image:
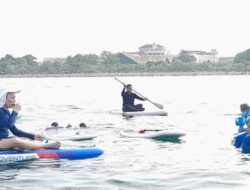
[{"x": 58, "y": 28}]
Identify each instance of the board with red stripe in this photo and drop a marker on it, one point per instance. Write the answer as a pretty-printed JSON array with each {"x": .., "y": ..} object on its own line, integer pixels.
[{"x": 72, "y": 154}]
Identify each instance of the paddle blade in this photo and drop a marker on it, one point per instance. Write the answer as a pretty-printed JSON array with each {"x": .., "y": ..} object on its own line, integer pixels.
[{"x": 158, "y": 105}]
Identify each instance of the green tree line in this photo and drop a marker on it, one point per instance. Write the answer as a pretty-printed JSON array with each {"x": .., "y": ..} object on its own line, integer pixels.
[{"x": 107, "y": 62}]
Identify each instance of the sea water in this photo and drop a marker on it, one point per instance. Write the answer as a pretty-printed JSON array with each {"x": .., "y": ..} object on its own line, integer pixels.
[{"x": 203, "y": 107}]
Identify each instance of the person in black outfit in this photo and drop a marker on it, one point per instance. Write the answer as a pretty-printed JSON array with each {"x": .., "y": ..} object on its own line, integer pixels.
[{"x": 128, "y": 98}]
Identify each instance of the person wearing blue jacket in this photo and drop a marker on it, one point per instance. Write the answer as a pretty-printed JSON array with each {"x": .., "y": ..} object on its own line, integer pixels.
[
  {"x": 128, "y": 98},
  {"x": 7, "y": 123}
]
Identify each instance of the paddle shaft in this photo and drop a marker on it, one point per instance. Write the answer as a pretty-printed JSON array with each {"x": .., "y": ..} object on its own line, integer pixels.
[
  {"x": 157, "y": 105},
  {"x": 68, "y": 144},
  {"x": 132, "y": 89},
  {"x": 153, "y": 130}
]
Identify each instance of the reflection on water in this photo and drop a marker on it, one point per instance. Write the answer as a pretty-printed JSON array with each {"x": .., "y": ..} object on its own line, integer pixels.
[{"x": 168, "y": 139}]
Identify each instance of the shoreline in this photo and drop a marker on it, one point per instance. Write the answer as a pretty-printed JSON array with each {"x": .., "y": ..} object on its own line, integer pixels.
[{"x": 123, "y": 74}]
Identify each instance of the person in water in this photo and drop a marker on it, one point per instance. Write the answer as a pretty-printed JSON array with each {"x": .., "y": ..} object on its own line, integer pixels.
[
  {"x": 245, "y": 111},
  {"x": 241, "y": 121},
  {"x": 128, "y": 98},
  {"x": 7, "y": 123},
  {"x": 54, "y": 125},
  {"x": 244, "y": 108}
]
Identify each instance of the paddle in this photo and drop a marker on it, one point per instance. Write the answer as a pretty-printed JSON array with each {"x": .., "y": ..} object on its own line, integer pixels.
[
  {"x": 156, "y": 130},
  {"x": 155, "y": 104},
  {"x": 233, "y": 114},
  {"x": 68, "y": 144}
]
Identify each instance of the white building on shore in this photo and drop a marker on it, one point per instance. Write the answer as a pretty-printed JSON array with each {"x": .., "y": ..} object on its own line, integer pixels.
[
  {"x": 203, "y": 56},
  {"x": 152, "y": 50},
  {"x": 147, "y": 53}
]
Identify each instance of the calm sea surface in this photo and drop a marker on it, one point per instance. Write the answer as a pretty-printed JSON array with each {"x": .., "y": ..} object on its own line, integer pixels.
[{"x": 203, "y": 107}]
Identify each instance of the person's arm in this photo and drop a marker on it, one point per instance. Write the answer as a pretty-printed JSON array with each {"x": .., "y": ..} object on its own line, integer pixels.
[
  {"x": 139, "y": 98},
  {"x": 13, "y": 115},
  {"x": 12, "y": 119},
  {"x": 123, "y": 91},
  {"x": 12, "y": 127},
  {"x": 19, "y": 133},
  {"x": 7, "y": 120}
]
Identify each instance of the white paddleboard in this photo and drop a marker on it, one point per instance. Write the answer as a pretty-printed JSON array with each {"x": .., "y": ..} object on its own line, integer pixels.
[
  {"x": 151, "y": 134},
  {"x": 67, "y": 134},
  {"x": 57, "y": 130},
  {"x": 79, "y": 137},
  {"x": 140, "y": 113}
]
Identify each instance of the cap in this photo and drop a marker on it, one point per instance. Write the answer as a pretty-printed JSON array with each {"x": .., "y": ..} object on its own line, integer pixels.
[
  {"x": 3, "y": 93},
  {"x": 128, "y": 86},
  {"x": 8, "y": 89}
]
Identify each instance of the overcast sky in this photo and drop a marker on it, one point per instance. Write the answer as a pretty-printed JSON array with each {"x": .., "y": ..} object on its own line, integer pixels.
[{"x": 57, "y": 28}]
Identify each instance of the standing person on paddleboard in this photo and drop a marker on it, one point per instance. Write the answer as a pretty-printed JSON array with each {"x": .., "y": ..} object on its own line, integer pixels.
[
  {"x": 7, "y": 123},
  {"x": 128, "y": 98}
]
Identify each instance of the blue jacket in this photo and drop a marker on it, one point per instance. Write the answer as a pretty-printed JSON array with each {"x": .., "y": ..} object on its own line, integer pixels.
[
  {"x": 7, "y": 122},
  {"x": 129, "y": 98}
]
